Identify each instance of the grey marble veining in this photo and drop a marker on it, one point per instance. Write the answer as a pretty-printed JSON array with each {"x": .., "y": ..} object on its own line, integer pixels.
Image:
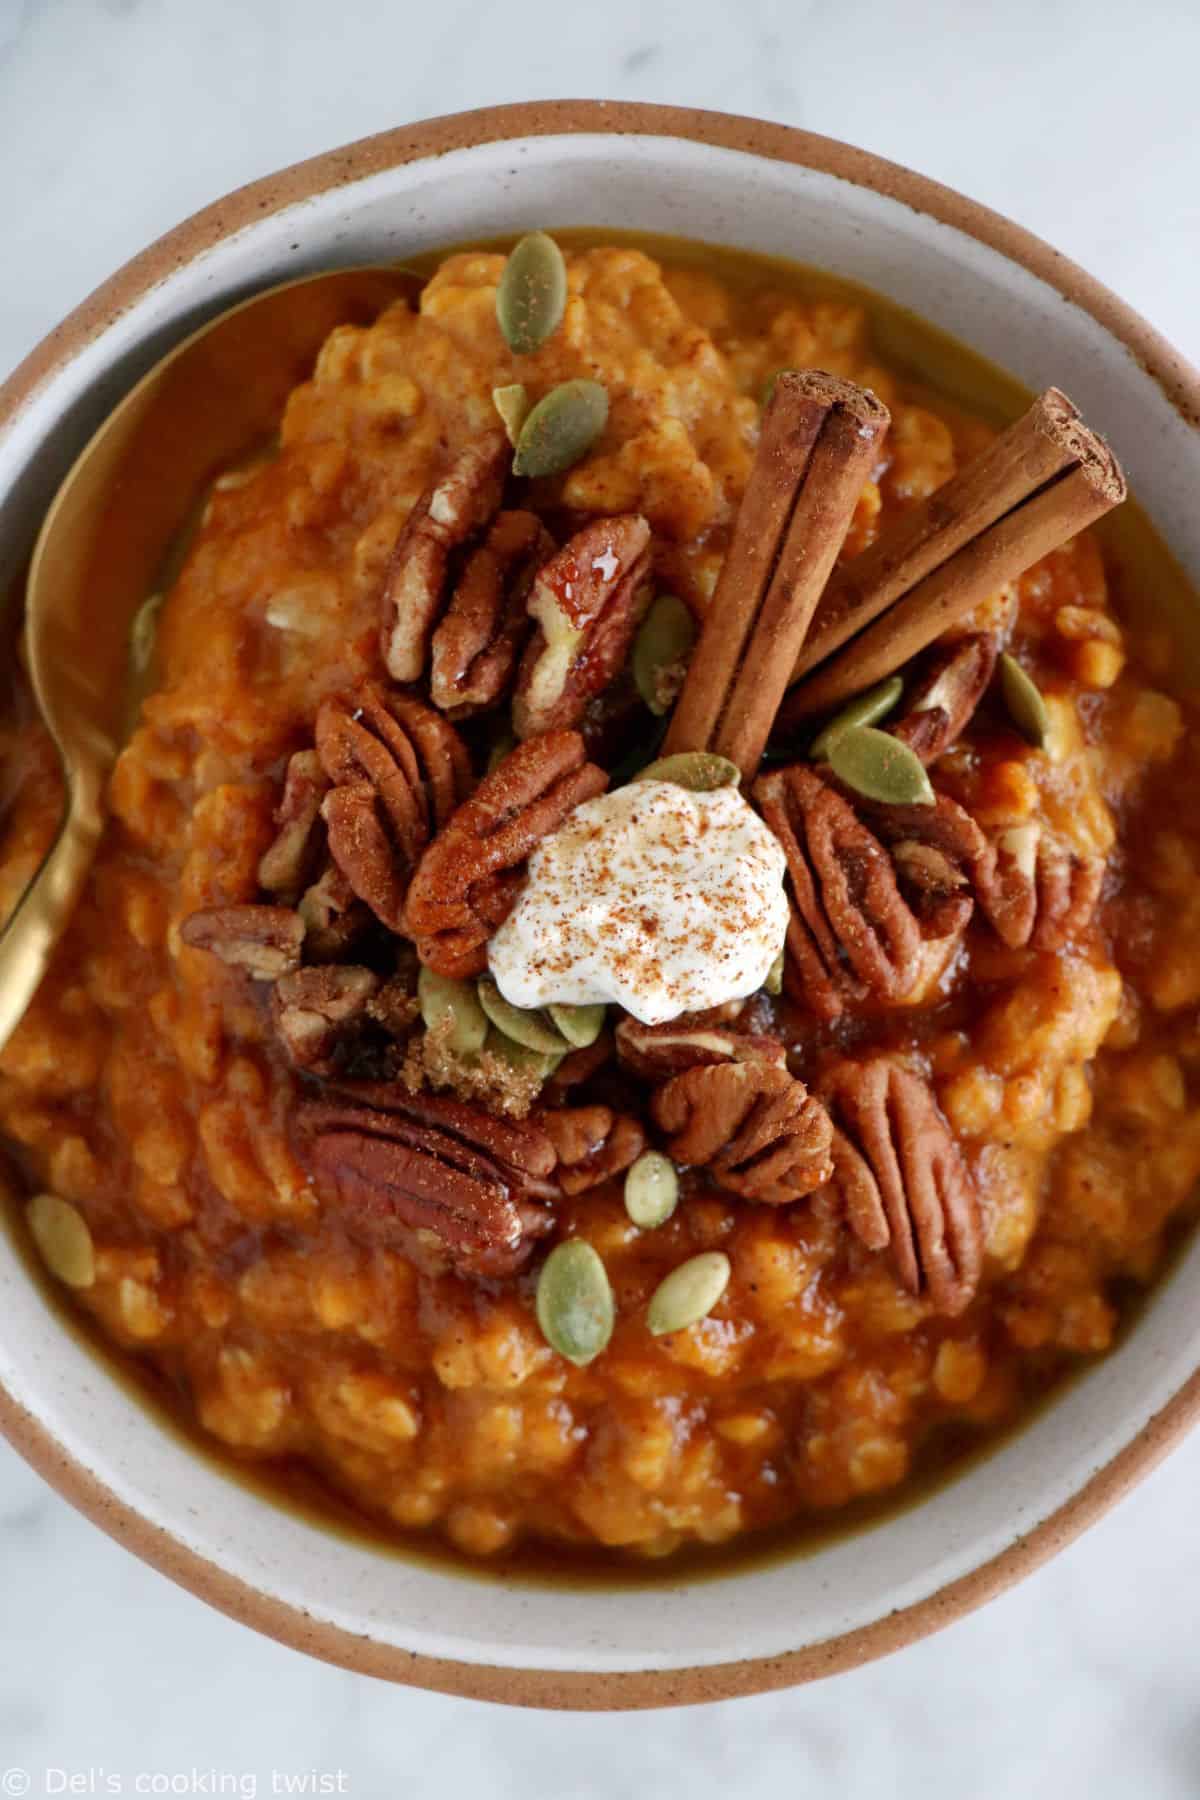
[{"x": 117, "y": 117}]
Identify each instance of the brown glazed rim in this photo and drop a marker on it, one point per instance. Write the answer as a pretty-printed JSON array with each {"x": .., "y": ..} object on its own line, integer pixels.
[{"x": 1179, "y": 382}]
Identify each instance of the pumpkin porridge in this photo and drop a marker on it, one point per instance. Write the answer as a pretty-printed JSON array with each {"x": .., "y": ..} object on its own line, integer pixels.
[{"x": 525, "y": 1061}]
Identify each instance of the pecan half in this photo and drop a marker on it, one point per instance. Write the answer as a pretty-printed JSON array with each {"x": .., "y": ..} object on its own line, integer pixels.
[
  {"x": 755, "y": 1128},
  {"x": 427, "y": 1163},
  {"x": 592, "y": 1144},
  {"x": 315, "y": 1010},
  {"x": 397, "y": 768},
  {"x": 953, "y": 681},
  {"x": 1038, "y": 891},
  {"x": 903, "y": 1180},
  {"x": 467, "y": 882},
  {"x": 940, "y": 856},
  {"x": 851, "y": 931},
  {"x": 475, "y": 648},
  {"x": 656, "y": 1051},
  {"x": 290, "y": 861},
  {"x": 444, "y": 519},
  {"x": 264, "y": 940},
  {"x": 587, "y": 603}
]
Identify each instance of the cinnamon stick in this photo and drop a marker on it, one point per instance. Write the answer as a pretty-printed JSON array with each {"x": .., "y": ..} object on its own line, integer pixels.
[
  {"x": 1041, "y": 481},
  {"x": 820, "y": 439}
]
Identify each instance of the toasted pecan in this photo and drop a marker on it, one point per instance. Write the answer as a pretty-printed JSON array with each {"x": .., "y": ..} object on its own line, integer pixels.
[
  {"x": 592, "y": 1144},
  {"x": 1037, "y": 890},
  {"x": 446, "y": 517},
  {"x": 396, "y": 1163},
  {"x": 754, "y": 1127},
  {"x": 657, "y": 1051},
  {"x": 290, "y": 860},
  {"x": 586, "y": 603},
  {"x": 476, "y": 645},
  {"x": 314, "y": 1010},
  {"x": 942, "y": 703},
  {"x": 851, "y": 931},
  {"x": 397, "y": 769},
  {"x": 467, "y": 881},
  {"x": 903, "y": 1180},
  {"x": 266, "y": 941}
]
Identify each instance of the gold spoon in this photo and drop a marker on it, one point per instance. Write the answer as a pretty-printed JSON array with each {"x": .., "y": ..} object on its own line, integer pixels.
[{"x": 107, "y": 537}]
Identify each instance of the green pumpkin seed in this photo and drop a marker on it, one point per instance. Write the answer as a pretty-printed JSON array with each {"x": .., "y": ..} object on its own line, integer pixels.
[
  {"x": 880, "y": 767},
  {"x": 451, "y": 1011},
  {"x": 774, "y": 981},
  {"x": 537, "y": 1064},
  {"x": 698, "y": 770},
  {"x": 61, "y": 1234},
  {"x": 512, "y": 403},
  {"x": 1023, "y": 698},
  {"x": 580, "y": 1025},
  {"x": 689, "y": 1293},
  {"x": 531, "y": 1029},
  {"x": 661, "y": 651},
  {"x": 143, "y": 632},
  {"x": 532, "y": 295},
  {"x": 575, "y": 1302},
  {"x": 651, "y": 1190},
  {"x": 867, "y": 709},
  {"x": 562, "y": 427}
]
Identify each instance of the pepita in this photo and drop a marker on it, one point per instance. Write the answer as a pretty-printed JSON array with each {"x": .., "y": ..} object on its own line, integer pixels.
[
  {"x": 532, "y": 293},
  {"x": 880, "y": 767},
  {"x": 867, "y": 709},
  {"x": 774, "y": 981},
  {"x": 451, "y": 1011},
  {"x": 61, "y": 1234},
  {"x": 661, "y": 651},
  {"x": 562, "y": 427},
  {"x": 651, "y": 1190},
  {"x": 689, "y": 1293},
  {"x": 699, "y": 770},
  {"x": 512, "y": 403},
  {"x": 538, "y": 1065},
  {"x": 580, "y": 1025},
  {"x": 532, "y": 1030},
  {"x": 575, "y": 1302},
  {"x": 1023, "y": 698}
]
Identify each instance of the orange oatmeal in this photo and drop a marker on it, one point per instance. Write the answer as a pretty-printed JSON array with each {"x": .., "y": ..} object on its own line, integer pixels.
[{"x": 317, "y": 1190}]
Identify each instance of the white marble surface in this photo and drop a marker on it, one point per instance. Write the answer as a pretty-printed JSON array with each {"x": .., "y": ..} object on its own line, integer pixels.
[{"x": 116, "y": 118}]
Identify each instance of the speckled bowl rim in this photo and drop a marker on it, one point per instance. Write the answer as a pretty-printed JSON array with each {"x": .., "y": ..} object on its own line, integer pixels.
[{"x": 1180, "y": 384}]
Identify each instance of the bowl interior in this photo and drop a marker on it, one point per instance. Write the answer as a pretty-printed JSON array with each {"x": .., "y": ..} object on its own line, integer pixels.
[{"x": 997, "y": 307}]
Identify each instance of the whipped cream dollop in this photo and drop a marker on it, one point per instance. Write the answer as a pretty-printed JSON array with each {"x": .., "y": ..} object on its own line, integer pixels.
[{"x": 660, "y": 899}]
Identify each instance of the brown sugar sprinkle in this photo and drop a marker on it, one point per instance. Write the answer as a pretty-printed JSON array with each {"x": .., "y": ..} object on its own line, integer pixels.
[{"x": 335, "y": 1267}]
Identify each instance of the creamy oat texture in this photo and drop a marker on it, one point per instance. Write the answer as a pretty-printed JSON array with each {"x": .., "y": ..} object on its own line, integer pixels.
[{"x": 659, "y": 899}]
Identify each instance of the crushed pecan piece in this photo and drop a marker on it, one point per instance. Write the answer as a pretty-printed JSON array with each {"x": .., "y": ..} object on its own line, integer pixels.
[
  {"x": 657, "y": 1051},
  {"x": 592, "y": 1144},
  {"x": 264, "y": 940},
  {"x": 398, "y": 769},
  {"x": 581, "y": 1065},
  {"x": 942, "y": 704},
  {"x": 334, "y": 919},
  {"x": 752, "y": 1125},
  {"x": 467, "y": 882},
  {"x": 903, "y": 1180},
  {"x": 446, "y": 517},
  {"x": 587, "y": 603},
  {"x": 475, "y": 648},
  {"x": 290, "y": 861},
  {"x": 851, "y": 931},
  {"x": 315, "y": 1009},
  {"x": 1037, "y": 890},
  {"x": 398, "y": 1163}
]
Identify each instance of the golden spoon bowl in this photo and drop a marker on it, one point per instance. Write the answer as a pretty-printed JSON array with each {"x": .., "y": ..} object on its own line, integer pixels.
[{"x": 106, "y": 540}]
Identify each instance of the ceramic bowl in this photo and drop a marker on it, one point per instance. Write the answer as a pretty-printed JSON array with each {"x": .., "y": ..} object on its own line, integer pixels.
[{"x": 765, "y": 188}]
